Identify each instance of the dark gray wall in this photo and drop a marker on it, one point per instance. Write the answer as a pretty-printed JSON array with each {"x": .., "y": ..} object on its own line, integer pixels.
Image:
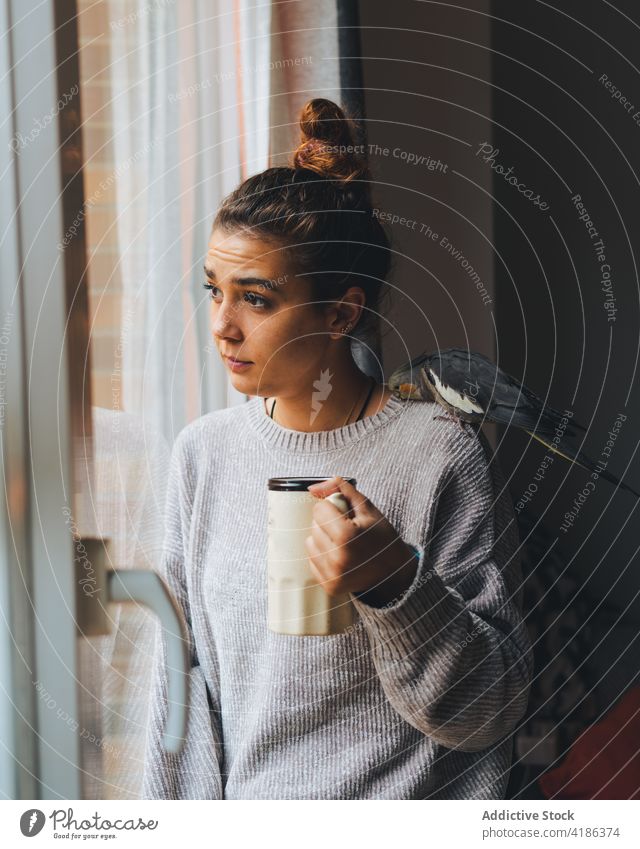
[
  {"x": 559, "y": 127},
  {"x": 447, "y": 71},
  {"x": 427, "y": 95}
]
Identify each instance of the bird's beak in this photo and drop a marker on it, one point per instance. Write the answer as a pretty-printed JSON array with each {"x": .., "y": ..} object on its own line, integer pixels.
[
  {"x": 400, "y": 382},
  {"x": 408, "y": 390}
]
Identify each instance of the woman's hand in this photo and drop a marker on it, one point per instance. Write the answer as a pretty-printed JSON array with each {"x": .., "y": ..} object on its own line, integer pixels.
[{"x": 360, "y": 551}]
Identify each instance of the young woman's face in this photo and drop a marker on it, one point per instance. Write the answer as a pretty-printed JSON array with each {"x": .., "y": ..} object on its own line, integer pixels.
[{"x": 263, "y": 314}]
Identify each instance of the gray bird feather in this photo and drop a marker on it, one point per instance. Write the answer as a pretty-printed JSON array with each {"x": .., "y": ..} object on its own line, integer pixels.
[{"x": 472, "y": 388}]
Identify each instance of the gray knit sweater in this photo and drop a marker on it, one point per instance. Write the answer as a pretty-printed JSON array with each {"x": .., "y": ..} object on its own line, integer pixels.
[{"x": 419, "y": 700}]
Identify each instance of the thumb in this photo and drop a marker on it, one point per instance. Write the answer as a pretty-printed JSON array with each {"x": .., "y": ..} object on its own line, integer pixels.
[{"x": 359, "y": 503}]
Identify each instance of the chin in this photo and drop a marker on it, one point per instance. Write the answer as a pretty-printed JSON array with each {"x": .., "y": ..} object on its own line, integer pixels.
[{"x": 242, "y": 383}]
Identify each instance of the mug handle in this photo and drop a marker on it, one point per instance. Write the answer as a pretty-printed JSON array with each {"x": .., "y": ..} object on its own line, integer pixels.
[{"x": 339, "y": 500}]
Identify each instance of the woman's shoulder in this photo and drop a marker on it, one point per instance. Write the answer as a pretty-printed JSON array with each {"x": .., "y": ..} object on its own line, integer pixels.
[
  {"x": 437, "y": 444},
  {"x": 426, "y": 427}
]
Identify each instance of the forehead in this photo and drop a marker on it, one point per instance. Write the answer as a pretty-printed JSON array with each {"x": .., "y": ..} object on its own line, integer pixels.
[{"x": 250, "y": 254}]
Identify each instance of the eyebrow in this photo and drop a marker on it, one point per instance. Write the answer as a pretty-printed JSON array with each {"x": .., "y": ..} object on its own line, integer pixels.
[{"x": 245, "y": 281}]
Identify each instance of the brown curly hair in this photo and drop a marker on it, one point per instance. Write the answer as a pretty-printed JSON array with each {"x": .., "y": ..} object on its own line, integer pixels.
[{"x": 320, "y": 208}]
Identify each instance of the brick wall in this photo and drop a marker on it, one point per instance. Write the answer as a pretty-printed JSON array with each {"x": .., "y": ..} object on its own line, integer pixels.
[
  {"x": 120, "y": 771},
  {"x": 105, "y": 290}
]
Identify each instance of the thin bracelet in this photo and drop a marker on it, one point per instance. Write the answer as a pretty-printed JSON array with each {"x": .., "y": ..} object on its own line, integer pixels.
[{"x": 416, "y": 551}]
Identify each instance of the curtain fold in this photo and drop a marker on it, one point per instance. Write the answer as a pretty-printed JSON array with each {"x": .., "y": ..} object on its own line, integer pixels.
[{"x": 190, "y": 96}]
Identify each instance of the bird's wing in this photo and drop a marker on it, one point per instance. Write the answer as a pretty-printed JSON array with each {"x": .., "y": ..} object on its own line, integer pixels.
[
  {"x": 502, "y": 398},
  {"x": 529, "y": 417},
  {"x": 513, "y": 403}
]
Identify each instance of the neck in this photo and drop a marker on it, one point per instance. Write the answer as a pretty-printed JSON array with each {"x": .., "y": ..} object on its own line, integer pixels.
[{"x": 345, "y": 392}]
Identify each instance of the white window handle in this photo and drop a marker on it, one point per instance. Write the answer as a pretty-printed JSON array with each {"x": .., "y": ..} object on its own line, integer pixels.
[
  {"x": 99, "y": 585},
  {"x": 148, "y": 588}
]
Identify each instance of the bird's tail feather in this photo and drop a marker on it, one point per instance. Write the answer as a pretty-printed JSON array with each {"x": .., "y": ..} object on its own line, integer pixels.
[
  {"x": 529, "y": 418},
  {"x": 586, "y": 462},
  {"x": 549, "y": 414}
]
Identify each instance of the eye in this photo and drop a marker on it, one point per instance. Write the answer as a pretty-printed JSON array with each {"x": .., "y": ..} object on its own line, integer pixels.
[
  {"x": 264, "y": 303},
  {"x": 210, "y": 287}
]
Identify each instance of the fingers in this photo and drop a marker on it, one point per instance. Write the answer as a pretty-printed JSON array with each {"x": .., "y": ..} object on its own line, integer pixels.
[
  {"x": 321, "y": 535},
  {"x": 335, "y": 525},
  {"x": 314, "y": 559},
  {"x": 323, "y": 559},
  {"x": 324, "y": 488},
  {"x": 359, "y": 502},
  {"x": 313, "y": 551}
]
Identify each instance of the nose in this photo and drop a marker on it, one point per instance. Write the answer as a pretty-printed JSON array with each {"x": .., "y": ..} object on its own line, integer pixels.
[{"x": 222, "y": 325}]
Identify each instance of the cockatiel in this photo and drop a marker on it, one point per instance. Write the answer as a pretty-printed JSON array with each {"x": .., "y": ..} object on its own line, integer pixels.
[{"x": 473, "y": 389}]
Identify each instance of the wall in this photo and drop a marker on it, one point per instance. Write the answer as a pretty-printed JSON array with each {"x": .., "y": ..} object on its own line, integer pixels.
[
  {"x": 559, "y": 127},
  {"x": 426, "y": 72}
]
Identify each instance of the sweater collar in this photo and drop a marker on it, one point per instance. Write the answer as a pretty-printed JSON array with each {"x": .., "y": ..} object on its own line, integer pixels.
[{"x": 298, "y": 441}]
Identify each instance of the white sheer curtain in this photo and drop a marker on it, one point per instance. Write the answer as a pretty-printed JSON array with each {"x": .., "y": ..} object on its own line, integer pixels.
[
  {"x": 189, "y": 99},
  {"x": 190, "y": 110}
]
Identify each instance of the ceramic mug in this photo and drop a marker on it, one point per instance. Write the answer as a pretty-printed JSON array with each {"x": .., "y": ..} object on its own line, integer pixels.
[{"x": 297, "y": 603}]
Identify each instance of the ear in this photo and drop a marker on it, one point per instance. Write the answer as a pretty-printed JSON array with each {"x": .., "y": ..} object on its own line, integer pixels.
[{"x": 346, "y": 312}]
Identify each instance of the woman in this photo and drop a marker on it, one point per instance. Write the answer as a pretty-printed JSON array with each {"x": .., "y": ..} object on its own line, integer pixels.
[{"x": 419, "y": 699}]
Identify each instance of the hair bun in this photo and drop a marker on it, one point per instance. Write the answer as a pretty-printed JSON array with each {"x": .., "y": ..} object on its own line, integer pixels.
[{"x": 327, "y": 143}]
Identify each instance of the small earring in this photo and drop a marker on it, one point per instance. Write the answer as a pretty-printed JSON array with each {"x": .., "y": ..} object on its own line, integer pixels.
[{"x": 346, "y": 329}]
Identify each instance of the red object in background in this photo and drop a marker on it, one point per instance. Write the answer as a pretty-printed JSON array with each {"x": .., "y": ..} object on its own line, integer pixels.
[{"x": 604, "y": 762}]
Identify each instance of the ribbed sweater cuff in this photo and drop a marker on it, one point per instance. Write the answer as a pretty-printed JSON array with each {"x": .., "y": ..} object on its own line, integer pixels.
[{"x": 422, "y": 612}]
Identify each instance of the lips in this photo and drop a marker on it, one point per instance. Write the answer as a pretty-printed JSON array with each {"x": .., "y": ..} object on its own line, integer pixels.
[{"x": 240, "y": 362}]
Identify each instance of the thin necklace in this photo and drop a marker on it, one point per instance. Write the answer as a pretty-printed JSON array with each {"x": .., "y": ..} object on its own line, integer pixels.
[{"x": 364, "y": 406}]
